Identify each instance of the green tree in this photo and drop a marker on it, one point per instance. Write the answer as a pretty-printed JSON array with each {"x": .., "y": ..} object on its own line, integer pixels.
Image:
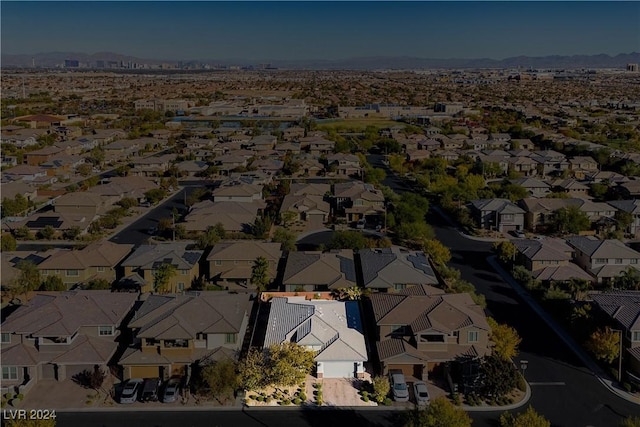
[
  {"x": 47, "y": 233},
  {"x": 154, "y": 195},
  {"x": 348, "y": 239},
  {"x": 505, "y": 339},
  {"x": 14, "y": 207},
  {"x": 438, "y": 252},
  {"x": 630, "y": 422},
  {"x": 604, "y": 344},
  {"x": 72, "y": 233},
  {"x": 53, "y": 283},
  {"x": 261, "y": 226},
  {"x": 211, "y": 236},
  {"x": 289, "y": 364},
  {"x": 528, "y": 418},
  {"x": 8, "y": 243},
  {"x": 629, "y": 279},
  {"x": 251, "y": 370},
  {"x": 578, "y": 287},
  {"x": 260, "y": 273},
  {"x": 127, "y": 202},
  {"x": 506, "y": 251},
  {"x": 97, "y": 284},
  {"x": 23, "y": 233},
  {"x": 162, "y": 277},
  {"x": 222, "y": 379},
  {"x": 15, "y": 422},
  {"x": 286, "y": 238},
  {"x": 498, "y": 377},
  {"x": 288, "y": 217},
  {"x": 569, "y": 220},
  {"x": 440, "y": 413},
  {"x": 84, "y": 169},
  {"x": 417, "y": 231},
  {"x": 28, "y": 278},
  {"x": 381, "y": 388}
]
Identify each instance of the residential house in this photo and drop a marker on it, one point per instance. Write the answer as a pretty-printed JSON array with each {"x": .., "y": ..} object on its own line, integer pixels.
[
  {"x": 550, "y": 163},
  {"x": 83, "y": 203},
  {"x": 36, "y": 157},
  {"x": 308, "y": 166},
  {"x": 152, "y": 165},
  {"x": 228, "y": 162},
  {"x": 357, "y": 200},
  {"x": 271, "y": 166},
  {"x": 262, "y": 143},
  {"x": 62, "y": 165},
  {"x": 394, "y": 269},
  {"x": 9, "y": 267},
  {"x": 307, "y": 207},
  {"x": 333, "y": 329},
  {"x": 534, "y": 187},
  {"x": 318, "y": 271},
  {"x": 581, "y": 166},
  {"x": 97, "y": 261},
  {"x": 522, "y": 144},
  {"x": 57, "y": 335},
  {"x": 231, "y": 263},
  {"x": 146, "y": 259},
  {"x": 174, "y": 333},
  {"x": 497, "y": 214},
  {"x": 523, "y": 165},
  {"x": 623, "y": 307},
  {"x": 631, "y": 207},
  {"x": 235, "y": 217},
  {"x": 238, "y": 191},
  {"x": 288, "y": 147},
  {"x": 572, "y": 188},
  {"x": 24, "y": 173},
  {"x": 603, "y": 259},
  {"x": 191, "y": 167},
  {"x": 421, "y": 328},
  {"x": 316, "y": 145},
  {"x": 630, "y": 189},
  {"x": 313, "y": 189},
  {"x": 344, "y": 164}
]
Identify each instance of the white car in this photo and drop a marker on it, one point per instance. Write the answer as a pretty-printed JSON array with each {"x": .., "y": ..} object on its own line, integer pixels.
[
  {"x": 130, "y": 390},
  {"x": 422, "y": 394},
  {"x": 399, "y": 388}
]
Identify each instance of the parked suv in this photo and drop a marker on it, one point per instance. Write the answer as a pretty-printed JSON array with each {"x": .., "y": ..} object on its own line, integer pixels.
[
  {"x": 150, "y": 390},
  {"x": 399, "y": 386},
  {"x": 131, "y": 390}
]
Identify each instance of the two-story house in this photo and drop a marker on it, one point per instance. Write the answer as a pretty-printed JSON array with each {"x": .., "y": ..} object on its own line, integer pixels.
[
  {"x": 57, "y": 335},
  {"x": 333, "y": 329},
  {"x": 497, "y": 214},
  {"x": 603, "y": 259},
  {"x": 171, "y": 333},
  {"x": 145, "y": 261},
  {"x": 549, "y": 260},
  {"x": 623, "y": 307},
  {"x": 96, "y": 261},
  {"x": 394, "y": 269},
  {"x": 357, "y": 200},
  {"x": 344, "y": 164},
  {"x": 231, "y": 263},
  {"x": 318, "y": 271},
  {"x": 631, "y": 207},
  {"x": 421, "y": 327}
]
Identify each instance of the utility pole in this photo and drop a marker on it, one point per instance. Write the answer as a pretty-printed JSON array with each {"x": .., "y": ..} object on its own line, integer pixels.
[{"x": 619, "y": 331}]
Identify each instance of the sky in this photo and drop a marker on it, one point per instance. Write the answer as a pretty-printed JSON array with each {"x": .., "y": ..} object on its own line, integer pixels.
[{"x": 305, "y": 30}]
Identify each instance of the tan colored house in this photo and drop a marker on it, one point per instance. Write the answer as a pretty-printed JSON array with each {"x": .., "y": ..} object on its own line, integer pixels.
[
  {"x": 174, "y": 332},
  {"x": 235, "y": 217},
  {"x": 146, "y": 259},
  {"x": 57, "y": 335},
  {"x": 603, "y": 259},
  {"x": 84, "y": 203},
  {"x": 318, "y": 271},
  {"x": 231, "y": 263},
  {"x": 421, "y": 328},
  {"x": 96, "y": 261}
]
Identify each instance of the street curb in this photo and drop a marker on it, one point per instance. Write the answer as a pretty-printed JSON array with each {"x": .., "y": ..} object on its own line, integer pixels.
[{"x": 562, "y": 334}]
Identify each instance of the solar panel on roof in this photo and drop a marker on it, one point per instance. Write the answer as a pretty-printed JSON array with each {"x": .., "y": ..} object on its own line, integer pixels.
[{"x": 43, "y": 221}]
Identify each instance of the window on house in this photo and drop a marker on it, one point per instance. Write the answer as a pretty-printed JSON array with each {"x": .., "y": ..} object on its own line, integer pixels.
[
  {"x": 618, "y": 260},
  {"x": 218, "y": 262},
  {"x": 399, "y": 286},
  {"x": 473, "y": 336},
  {"x": 432, "y": 338},
  {"x": 106, "y": 330},
  {"x": 180, "y": 286},
  {"x": 6, "y": 338},
  {"x": 634, "y": 260},
  {"x": 507, "y": 217},
  {"x": 184, "y": 272},
  {"x": 230, "y": 338},
  {"x": 72, "y": 273},
  {"x": 600, "y": 261},
  {"x": 9, "y": 372},
  {"x": 635, "y": 336},
  {"x": 100, "y": 269}
]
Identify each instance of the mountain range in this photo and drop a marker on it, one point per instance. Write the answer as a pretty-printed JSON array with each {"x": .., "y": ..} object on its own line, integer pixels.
[{"x": 56, "y": 59}]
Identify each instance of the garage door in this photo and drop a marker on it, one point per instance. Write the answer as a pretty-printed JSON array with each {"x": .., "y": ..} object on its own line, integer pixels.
[
  {"x": 49, "y": 371},
  {"x": 145, "y": 371},
  {"x": 407, "y": 370},
  {"x": 339, "y": 369}
]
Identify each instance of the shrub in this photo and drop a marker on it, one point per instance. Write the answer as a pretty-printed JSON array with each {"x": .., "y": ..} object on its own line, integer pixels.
[
  {"x": 522, "y": 383},
  {"x": 365, "y": 393},
  {"x": 303, "y": 396},
  {"x": 297, "y": 401},
  {"x": 387, "y": 402},
  {"x": 19, "y": 396},
  {"x": 260, "y": 399},
  {"x": 286, "y": 402}
]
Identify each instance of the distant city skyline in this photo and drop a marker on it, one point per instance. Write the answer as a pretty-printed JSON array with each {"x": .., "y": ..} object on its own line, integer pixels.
[{"x": 321, "y": 30}]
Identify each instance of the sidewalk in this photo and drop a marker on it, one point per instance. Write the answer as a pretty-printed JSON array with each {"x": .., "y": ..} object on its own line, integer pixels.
[{"x": 585, "y": 358}]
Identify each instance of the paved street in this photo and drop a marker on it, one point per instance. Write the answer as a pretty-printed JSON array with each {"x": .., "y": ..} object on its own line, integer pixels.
[{"x": 562, "y": 388}]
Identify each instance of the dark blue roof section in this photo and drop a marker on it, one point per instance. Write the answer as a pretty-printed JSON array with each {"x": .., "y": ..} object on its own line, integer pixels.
[
  {"x": 353, "y": 316},
  {"x": 348, "y": 268},
  {"x": 192, "y": 257}
]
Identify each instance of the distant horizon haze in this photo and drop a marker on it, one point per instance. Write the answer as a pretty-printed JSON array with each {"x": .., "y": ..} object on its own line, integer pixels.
[{"x": 286, "y": 31}]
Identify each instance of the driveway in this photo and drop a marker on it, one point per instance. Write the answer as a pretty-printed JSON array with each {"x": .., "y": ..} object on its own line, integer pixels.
[
  {"x": 339, "y": 391},
  {"x": 51, "y": 394}
]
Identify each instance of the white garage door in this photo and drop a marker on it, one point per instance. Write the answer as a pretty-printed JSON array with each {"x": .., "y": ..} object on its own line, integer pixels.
[{"x": 339, "y": 369}]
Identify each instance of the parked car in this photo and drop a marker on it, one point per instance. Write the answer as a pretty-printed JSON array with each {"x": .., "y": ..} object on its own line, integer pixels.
[
  {"x": 171, "y": 390},
  {"x": 520, "y": 234},
  {"x": 130, "y": 390},
  {"x": 399, "y": 387},
  {"x": 150, "y": 390},
  {"x": 360, "y": 224},
  {"x": 421, "y": 392}
]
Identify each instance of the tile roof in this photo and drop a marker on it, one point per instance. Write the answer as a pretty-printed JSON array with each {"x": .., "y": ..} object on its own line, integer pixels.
[
  {"x": 334, "y": 269},
  {"x": 623, "y": 306},
  {"x": 385, "y": 267},
  {"x": 595, "y": 248},
  {"x": 147, "y": 257}
]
